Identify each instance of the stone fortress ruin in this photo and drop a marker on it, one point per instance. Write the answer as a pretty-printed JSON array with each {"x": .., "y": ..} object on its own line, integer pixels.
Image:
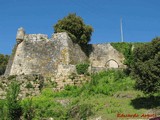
[
  {"x": 37, "y": 54},
  {"x": 37, "y": 61}
]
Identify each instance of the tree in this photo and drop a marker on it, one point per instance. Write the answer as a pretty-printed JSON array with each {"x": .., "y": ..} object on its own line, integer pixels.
[
  {"x": 3, "y": 63},
  {"x": 75, "y": 27},
  {"x": 146, "y": 66}
]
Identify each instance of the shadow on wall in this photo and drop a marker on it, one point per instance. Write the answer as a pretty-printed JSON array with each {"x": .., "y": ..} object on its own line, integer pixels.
[{"x": 87, "y": 49}]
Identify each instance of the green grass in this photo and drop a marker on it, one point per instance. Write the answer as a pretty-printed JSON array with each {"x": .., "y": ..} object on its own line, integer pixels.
[{"x": 107, "y": 94}]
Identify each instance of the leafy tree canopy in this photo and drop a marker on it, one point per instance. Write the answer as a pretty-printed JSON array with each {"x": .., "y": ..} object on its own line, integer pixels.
[
  {"x": 75, "y": 27},
  {"x": 146, "y": 66},
  {"x": 3, "y": 63}
]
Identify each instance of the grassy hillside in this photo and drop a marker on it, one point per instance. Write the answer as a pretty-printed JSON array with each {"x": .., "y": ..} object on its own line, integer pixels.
[{"x": 108, "y": 94}]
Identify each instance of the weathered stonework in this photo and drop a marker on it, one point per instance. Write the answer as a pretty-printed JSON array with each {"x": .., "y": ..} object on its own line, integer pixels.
[
  {"x": 20, "y": 35},
  {"x": 30, "y": 85},
  {"x": 37, "y": 54},
  {"x": 104, "y": 56},
  {"x": 55, "y": 58}
]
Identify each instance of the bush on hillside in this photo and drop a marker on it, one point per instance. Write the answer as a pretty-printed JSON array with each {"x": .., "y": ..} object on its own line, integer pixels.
[
  {"x": 146, "y": 66},
  {"x": 80, "y": 112},
  {"x": 13, "y": 104}
]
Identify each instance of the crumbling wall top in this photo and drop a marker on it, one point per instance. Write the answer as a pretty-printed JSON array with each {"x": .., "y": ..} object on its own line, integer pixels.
[{"x": 36, "y": 37}]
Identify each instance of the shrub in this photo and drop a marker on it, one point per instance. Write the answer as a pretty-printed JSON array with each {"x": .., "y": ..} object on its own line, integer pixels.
[
  {"x": 127, "y": 50},
  {"x": 82, "y": 68},
  {"x": 80, "y": 112},
  {"x": 13, "y": 104},
  {"x": 3, "y": 110},
  {"x": 29, "y": 85},
  {"x": 75, "y": 27},
  {"x": 28, "y": 109},
  {"x": 105, "y": 82},
  {"x": 146, "y": 67},
  {"x": 11, "y": 77}
]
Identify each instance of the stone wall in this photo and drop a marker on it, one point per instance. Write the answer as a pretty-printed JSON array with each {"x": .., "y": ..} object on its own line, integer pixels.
[
  {"x": 37, "y": 54},
  {"x": 54, "y": 58},
  {"x": 71, "y": 79},
  {"x": 30, "y": 85},
  {"x": 71, "y": 53},
  {"x": 10, "y": 62},
  {"x": 104, "y": 56}
]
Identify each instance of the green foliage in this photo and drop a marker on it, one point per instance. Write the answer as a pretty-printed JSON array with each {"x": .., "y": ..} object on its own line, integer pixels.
[
  {"x": 3, "y": 63},
  {"x": 44, "y": 106},
  {"x": 80, "y": 102},
  {"x": 3, "y": 110},
  {"x": 28, "y": 109},
  {"x": 146, "y": 67},
  {"x": 75, "y": 27},
  {"x": 13, "y": 104},
  {"x": 47, "y": 92},
  {"x": 80, "y": 112},
  {"x": 49, "y": 83},
  {"x": 101, "y": 83},
  {"x": 11, "y": 77},
  {"x": 105, "y": 82},
  {"x": 29, "y": 85},
  {"x": 82, "y": 68},
  {"x": 127, "y": 50}
]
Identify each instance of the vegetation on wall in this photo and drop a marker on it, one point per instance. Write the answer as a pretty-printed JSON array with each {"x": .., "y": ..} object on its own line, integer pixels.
[
  {"x": 75, "y": 27},
  {"x": 82, "y": 68},
  {"x": 127, "y": 50}
]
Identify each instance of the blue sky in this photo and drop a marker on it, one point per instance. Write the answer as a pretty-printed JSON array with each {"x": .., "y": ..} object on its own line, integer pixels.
[{"x": 141, "y": 18}]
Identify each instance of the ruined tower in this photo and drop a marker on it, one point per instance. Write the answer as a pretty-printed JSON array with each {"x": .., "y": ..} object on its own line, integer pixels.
[{"x": 20, "y": 35}]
